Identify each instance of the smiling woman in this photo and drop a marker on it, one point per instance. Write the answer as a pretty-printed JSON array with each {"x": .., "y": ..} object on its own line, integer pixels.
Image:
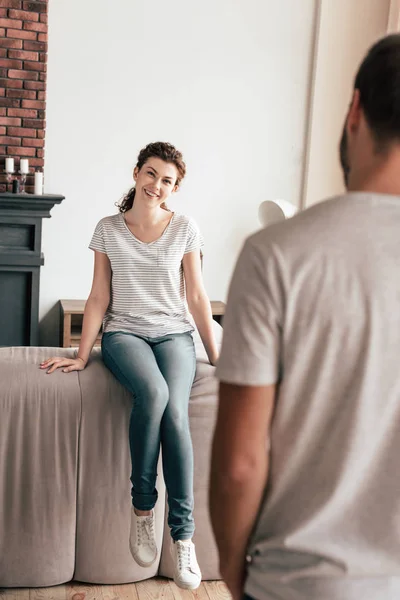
[
  {"x": 167, "y": 154},
  {"x": 155, "y": 182},
  {"x": 147, "y": 277}
]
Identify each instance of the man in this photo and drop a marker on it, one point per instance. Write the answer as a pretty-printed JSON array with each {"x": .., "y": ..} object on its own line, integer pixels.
[{"x": 305, "y": 482}]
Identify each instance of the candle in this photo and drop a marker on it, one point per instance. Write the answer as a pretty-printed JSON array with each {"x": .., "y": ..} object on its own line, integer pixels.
[
  {"x": 24, "y": 166},
  {"x": 38, "y": 183},
  {"x": 9, "y": 165}
]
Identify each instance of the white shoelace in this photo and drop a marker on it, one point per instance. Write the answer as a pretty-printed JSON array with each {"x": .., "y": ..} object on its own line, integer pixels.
[
  {"x": 145, "y": 529},
  {"x": 183, "y": 556}
]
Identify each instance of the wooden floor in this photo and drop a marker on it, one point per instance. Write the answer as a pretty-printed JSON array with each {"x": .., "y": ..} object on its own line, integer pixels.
[{"x": 151, "y": 589}]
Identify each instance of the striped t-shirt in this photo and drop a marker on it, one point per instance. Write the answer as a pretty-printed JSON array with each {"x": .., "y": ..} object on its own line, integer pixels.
[{"x": 147, "y": 282}]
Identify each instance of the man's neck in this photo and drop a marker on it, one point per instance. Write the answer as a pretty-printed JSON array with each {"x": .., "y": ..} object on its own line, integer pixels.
[{"x": 382, "y": 176}]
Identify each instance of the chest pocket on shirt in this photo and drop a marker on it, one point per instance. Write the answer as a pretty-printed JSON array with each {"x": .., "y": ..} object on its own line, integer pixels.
[{"x": 169, "y": 259}]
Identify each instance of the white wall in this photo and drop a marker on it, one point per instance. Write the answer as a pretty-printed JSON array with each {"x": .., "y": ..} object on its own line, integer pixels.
[
  {"x": 346, "y": 29},
  {"x": 226, "y": 81}
]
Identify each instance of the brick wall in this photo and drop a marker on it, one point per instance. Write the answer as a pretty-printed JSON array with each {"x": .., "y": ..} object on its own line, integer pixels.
[{"x": 23, "y": 58}]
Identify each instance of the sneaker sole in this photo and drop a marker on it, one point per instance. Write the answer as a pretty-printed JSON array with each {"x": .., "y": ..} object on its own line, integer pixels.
[
  {"x": 141, "y": 563},
  {"x": 186, "y": 586}
]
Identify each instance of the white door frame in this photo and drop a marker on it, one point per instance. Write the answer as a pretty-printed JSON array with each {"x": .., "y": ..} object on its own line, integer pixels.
[
  {"x": 312, "y": 123},
  {"x": 394, "y": 16}
]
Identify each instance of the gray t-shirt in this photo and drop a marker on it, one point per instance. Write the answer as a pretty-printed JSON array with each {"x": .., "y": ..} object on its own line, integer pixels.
[
  {"x": 147, "y": 284},
  {"x": 314, "y": 307}
]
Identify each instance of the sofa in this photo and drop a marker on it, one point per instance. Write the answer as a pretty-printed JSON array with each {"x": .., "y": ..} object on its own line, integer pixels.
[{"x": 65, "y": 467}]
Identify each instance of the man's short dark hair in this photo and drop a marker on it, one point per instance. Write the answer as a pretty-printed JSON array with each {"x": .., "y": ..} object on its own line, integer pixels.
[{"x": 378, "y": 81}]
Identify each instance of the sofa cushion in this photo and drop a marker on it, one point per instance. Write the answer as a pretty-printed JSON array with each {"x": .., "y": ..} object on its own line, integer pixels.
[{"x": 39, "y": 428}]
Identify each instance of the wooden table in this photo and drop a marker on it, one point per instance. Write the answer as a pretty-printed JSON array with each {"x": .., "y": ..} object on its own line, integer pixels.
[{"x": 72, "y": 318}]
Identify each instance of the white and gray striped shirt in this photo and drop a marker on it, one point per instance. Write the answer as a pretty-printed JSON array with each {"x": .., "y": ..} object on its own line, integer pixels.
[{"x": 147, "y": 282}]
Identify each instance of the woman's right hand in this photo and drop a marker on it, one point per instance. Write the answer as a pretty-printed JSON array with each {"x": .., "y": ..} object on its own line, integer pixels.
[{"x": 66, "y": 364}]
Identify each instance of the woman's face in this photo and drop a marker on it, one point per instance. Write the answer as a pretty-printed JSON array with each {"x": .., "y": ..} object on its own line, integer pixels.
[{"x": 155, "y": 181}]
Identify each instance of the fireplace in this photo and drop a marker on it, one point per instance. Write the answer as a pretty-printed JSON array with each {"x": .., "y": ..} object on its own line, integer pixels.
[{"x": 20, "y": 261}]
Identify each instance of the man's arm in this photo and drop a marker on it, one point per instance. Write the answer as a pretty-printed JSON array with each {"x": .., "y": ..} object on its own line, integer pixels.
[{"x": 239, "y": 472}]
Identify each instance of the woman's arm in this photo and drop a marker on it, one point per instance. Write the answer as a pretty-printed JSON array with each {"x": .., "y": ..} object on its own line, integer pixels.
[
  {"x": 95, "y": 309},
  {"x": 96, "y": 305},
  {"x": 199, "y": 304}
]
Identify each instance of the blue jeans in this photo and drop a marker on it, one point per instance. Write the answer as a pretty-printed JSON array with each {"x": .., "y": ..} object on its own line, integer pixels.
[{"x": 159, "y": 373}]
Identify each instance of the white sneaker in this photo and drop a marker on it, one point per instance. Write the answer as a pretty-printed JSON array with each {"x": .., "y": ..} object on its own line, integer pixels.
[
  {"x": 187, "y": 574},
  {"x": 142, "y": 539}
]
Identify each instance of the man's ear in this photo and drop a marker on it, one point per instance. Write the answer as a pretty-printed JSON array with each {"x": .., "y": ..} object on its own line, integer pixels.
[{"x": 355, "y": 110}]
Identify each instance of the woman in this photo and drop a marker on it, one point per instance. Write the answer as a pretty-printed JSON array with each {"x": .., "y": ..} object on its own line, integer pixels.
[{"x": 147, "y": 275}]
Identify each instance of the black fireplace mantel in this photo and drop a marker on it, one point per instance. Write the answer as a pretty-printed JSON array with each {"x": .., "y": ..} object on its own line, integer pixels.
[{"x": 20, "y": 261}]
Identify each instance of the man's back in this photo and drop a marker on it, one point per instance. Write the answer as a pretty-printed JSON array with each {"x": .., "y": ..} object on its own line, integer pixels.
[{"x": 328, "y": 286}]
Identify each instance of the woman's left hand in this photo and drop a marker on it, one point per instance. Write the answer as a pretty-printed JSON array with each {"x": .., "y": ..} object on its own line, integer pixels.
[{"x": 66, "y": 364}]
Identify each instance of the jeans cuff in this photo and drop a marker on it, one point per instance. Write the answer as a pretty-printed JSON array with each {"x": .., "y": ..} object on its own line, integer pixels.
[
  {"x": 144, "y": 501},
  {"x": 182, "y": 535}
]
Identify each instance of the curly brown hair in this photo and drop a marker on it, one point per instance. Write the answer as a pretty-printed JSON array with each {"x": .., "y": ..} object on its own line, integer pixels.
[{"x": 168, "y": 153}]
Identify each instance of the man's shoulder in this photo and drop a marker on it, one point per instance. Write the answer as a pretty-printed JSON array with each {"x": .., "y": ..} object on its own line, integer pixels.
[{"x": 305, "y": 228}]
